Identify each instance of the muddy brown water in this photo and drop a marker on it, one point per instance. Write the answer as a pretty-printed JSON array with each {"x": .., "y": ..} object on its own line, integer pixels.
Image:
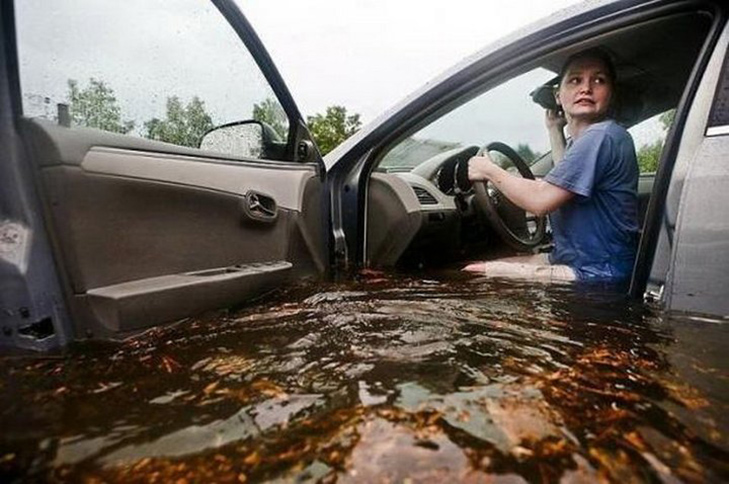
[{"x": 391, "y": 379}]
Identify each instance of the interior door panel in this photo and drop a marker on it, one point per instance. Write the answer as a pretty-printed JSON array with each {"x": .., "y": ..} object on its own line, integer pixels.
[{"x": 152, "y": 232}]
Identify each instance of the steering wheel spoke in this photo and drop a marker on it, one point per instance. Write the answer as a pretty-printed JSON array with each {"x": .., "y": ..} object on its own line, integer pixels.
[
  {"x": 515, "y": 231},
  {"x": 493, "y": 193}
]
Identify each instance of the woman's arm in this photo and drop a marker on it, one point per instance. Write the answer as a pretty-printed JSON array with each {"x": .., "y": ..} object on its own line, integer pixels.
[
  {"x": 555, "y": 126},
  {"x": 536, "y": 196}
]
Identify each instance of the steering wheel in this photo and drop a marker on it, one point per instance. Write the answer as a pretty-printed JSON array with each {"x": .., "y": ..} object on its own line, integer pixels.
[{"x": 509, "y": 221}]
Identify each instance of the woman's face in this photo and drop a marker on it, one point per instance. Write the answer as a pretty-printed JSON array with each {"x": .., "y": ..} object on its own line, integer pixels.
[{"x": 586, "y": 90}]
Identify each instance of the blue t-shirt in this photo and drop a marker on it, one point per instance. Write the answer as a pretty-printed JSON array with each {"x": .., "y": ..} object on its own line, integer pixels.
[{"x": 596, "y": 232}]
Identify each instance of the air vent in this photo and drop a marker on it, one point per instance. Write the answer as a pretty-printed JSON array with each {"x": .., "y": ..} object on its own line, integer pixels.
[{"x": 424, "y": 197}]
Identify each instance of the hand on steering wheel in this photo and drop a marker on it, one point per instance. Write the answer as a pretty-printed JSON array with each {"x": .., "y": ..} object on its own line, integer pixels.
[{"x": 508, "y": 220}]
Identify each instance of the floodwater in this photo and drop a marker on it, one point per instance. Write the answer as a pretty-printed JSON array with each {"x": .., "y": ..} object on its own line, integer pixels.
[{"x": 391, "y": 379}]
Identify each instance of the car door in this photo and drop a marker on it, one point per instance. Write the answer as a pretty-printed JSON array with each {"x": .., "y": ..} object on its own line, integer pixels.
[
  {"x": 688, "y": 244},
  {"x": 111, "y": 101}
]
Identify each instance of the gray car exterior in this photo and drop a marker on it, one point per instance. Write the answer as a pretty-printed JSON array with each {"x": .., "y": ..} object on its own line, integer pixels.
[{"x": 683, "y": 260}]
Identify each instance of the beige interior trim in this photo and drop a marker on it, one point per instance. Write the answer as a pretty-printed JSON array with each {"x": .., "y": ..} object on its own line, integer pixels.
[
  {"x": 393, "y": 219},
  {"x": 236, "y": 178}
]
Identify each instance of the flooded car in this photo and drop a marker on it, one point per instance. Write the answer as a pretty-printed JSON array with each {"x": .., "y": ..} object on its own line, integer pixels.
[
  {"x": 156, "y": 168},
  {"x": 140, "y": 195},
  {"x": 389, "y": 379}
]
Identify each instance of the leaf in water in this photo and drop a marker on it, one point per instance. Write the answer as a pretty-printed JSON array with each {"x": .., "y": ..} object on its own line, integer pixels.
[
  {"x": 169, "y": 364},
  {"x": 168, "y": 397},
  {"x": 201, "y": 364},
  {"x": 225, "y": 365},
  {"x": 614, "y": 466},
  {"x": 252, "y": 459},
  {"x": 268, "y": 388},
  {"x": 211, "y": 388},
  {"x": 105, "y": 387},
  {"x": 686, "y": 395}
]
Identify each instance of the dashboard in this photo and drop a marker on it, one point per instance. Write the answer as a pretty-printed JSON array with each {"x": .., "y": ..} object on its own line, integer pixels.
[{"x": 417, "y": 215}]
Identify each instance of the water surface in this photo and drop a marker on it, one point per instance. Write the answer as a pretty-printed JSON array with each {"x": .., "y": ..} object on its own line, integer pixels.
[{"x": 389, "y": 379}]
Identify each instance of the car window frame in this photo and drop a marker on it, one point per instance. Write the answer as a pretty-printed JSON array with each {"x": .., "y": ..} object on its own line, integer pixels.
[{"x": 300, "y": 144}]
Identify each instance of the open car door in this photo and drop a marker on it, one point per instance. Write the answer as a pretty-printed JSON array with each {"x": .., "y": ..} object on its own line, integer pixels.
[{"x": 116, "y": 219}]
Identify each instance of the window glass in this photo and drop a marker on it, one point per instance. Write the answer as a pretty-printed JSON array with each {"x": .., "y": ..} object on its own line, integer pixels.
[
  {"x": 147, "y": 68},
  {"x": 505, "y": 113},
  {"x": 649, "y": 136}
]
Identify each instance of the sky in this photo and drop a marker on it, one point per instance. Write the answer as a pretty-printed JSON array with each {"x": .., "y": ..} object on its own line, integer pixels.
[
  {"x": 368, "y": 54},
  {"x": 365, "y": 55}
]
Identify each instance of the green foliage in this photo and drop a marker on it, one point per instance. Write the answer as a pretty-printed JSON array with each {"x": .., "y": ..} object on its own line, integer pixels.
[
  {"x": 183, "y": 125},
  {"x": 526, "y": 153},
  {"x": 269, "y": 111},
  {"x": 96, "y": 107},
  {"x": 649, "y": 154},
  {"x": 330, "y": 129},
  {"x": 667, "y": 118}
]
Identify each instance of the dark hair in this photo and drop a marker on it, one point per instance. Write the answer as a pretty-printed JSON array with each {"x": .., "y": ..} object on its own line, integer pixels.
[{"x": 592, "y": 53}]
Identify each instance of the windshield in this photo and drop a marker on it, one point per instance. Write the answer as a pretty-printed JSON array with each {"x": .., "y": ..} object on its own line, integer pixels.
[{"x": 505, "y": 113}]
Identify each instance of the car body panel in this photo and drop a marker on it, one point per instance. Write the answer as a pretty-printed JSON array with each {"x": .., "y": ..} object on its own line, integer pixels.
[
  {"x": 697, "y": 280},
  {"x": 700, "y": 258},
  {"x": 658, "y": 275}
]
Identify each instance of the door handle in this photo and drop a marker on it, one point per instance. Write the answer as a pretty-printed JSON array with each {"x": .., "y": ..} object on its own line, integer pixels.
[{"x": 259, "y": 207}]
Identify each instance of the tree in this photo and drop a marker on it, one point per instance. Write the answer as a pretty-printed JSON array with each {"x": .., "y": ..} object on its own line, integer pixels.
[
  {"x": 666, "y": 119},
  {"x": 330, "y": 129},
  {"x": 183, "y": 125},
  {"x": 649, "y": 154},
  {"x": 96, "y": 107},
  {"x": 269, "y": 111}
]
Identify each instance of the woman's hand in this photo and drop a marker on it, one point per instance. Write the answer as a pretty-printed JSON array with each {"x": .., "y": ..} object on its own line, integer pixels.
[
  {"x": 555, "y": 125},
  {"x": 480, "y": 168},
  {"x": 553, "y": 121}
]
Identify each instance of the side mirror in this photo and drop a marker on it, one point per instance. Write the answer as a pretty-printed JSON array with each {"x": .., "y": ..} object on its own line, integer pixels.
[{"x": 249, "y": 139}]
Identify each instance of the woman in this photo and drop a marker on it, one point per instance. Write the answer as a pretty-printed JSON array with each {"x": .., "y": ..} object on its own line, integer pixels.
[{"x": 591, "y": 194}]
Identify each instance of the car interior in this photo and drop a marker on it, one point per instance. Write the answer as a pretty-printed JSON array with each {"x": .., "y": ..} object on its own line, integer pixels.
[{"x": 422, "y": 210}]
